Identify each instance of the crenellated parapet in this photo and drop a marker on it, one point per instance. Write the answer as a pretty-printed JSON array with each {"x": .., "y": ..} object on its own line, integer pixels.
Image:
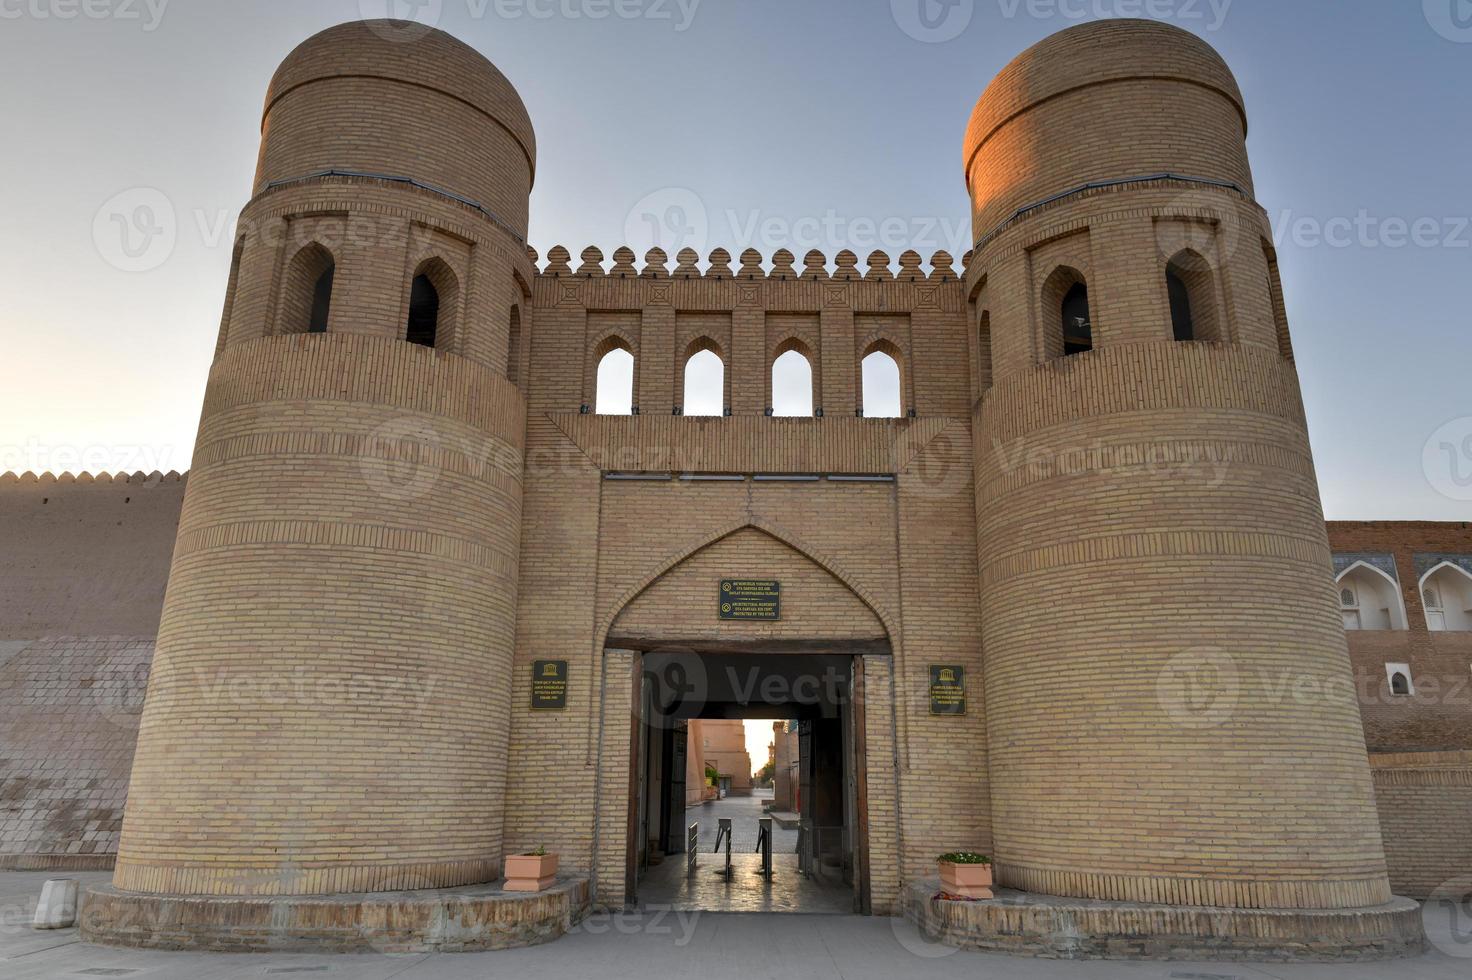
[
  {"x": 751, "y": 266},
  {"x": 130, "y": 479},
  {"x": 749, "y": 311}
]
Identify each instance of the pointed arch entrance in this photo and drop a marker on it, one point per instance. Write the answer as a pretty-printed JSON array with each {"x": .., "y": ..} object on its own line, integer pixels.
[{"x": 673, "y": 660}]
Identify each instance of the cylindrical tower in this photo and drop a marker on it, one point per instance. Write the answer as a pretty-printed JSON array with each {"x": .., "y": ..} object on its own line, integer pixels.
[
  {"x": 1168, "y": 700},
  {"x": 328, "y": 707}
]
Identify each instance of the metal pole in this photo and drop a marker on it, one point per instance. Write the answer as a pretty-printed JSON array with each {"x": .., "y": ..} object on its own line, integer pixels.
[
  {"x": 764, "y": 844},
  {"x": 723, "y": 831}
]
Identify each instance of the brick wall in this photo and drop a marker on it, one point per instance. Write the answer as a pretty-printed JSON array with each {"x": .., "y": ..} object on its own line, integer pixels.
[
  {"x": 84, "y": 561},
  {"x": 1424, "y": 799},
  {"x": 1439, "y": 715}
]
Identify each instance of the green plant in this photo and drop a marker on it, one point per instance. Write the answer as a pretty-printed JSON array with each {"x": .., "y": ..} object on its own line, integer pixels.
[
  {"x": 964, "y": 857},
  {"x": 540, "y": 852}
]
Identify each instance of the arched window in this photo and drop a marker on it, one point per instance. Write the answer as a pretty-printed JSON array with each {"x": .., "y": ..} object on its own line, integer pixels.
[
  {"x": 1182, "y": 324},
  {"x": 1078, "y": 326},
  {"x": 424, "y": 312},
  {"x": 1067, "y": 318},
  {"x": 321, "y": 301},
  {"x": 705, "y": 380},
  {"x": 1275, "y": 297},
  {"x": 307, "y": 297},
  {"x": 513, "y": 347},
  {"x": 883, "y": 397},
  {"x": 1188, "y": 284},
  {"x": 433, "y": 294},
  {"x": 984, "y": 351},
  {"x": 614, "y": 394},
  {"x": 1369, "y": 599},
  {"x": 792, "y": 384},
  {"x": 1399, "y": 676},
  {"x": 1446, "y": 591}
]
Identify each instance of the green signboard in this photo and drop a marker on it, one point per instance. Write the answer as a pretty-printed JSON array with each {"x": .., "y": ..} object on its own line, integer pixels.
[
  {"x": 750, "y": 599},
  {"x": 549, "y": 685},
  {"x": 947, "y": 689}
]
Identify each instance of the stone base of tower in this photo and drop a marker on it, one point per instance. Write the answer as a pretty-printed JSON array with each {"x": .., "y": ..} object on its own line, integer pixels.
[
  {"x": 1074, "y": 928},
  {"x": 449, "y": 920}
]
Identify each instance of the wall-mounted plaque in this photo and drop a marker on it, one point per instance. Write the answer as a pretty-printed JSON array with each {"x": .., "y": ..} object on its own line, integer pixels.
[
  {"x": 750, "y": 599},
  {"x": 947, "y": 689},
  {"x": 549, "y": 685}
]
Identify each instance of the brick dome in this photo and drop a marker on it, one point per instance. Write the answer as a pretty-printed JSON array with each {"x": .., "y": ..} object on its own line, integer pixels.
[
  {"x": 1107, "y": 99},
  {"x": 413, "y": 55}
]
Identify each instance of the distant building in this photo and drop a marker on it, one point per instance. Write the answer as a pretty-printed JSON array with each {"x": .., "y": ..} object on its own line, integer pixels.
[{"x": 722, "y": 744}]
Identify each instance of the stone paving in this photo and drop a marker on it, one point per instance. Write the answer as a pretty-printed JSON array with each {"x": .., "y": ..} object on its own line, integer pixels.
[
  {"x": 638, "y": 946},
  {"x": 669, "y": 886},
  {"x": 744, "y": 812}
]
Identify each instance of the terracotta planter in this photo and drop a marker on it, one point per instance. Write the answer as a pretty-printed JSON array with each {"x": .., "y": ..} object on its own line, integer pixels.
[
  {"x": 530, "y": 872},
  {"x": 970, "y": 880}
]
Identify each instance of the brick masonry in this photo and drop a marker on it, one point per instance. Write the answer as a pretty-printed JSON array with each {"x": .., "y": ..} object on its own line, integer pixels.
[
  {"x": 380, "y": 538},
  {"x": 85, "y": 565}
]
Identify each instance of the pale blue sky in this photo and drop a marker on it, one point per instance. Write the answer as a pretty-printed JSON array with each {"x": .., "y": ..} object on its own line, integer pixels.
[{"x": 771, "y": 123}]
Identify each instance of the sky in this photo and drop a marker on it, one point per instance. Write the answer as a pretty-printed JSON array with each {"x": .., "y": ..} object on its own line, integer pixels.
[
  {"x": 758, "y": 738},
  {"x": 801, "y": 124}
]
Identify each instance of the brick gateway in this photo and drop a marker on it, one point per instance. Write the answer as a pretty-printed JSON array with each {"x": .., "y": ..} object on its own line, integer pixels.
[{"x": 1099, "y": 490}]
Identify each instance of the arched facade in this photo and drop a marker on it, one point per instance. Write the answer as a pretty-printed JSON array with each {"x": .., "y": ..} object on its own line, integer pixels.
[
  {"x": 1446, "y": 595},
  {"x": 1370, "y": 599}
]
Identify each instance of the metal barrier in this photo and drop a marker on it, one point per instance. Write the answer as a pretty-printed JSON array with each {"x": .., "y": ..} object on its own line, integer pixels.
[
  {"x": 764, "y": 845},
  {"x": 723, "y": 833},
  {"x": 692, "y": 848}
]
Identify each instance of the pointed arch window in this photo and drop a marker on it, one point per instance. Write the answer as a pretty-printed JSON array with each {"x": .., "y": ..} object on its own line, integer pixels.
[
  {"x": 705, "y": 380},
  {"x": 424, "y": 312},
  {"x": 1068, "y": 321},
  {"x": 1078, "y": 324},
  {"x": 1446, "y": 593},
  {"x": 1369, "y": 599},
  {"x": 433, "y": 293},
  {"x": 882, "y": 388},
  {"x": 306, "y": 302},
  {"x": 1190, "y": 288},
  {"x": 792, "y": 383},
  {"x": 614, "y": 386}
]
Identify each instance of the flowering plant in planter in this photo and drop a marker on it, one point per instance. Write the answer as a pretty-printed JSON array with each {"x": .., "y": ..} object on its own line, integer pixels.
[
  {"x": 966, "y": 873},
  {"x": 531, "y": 872}
]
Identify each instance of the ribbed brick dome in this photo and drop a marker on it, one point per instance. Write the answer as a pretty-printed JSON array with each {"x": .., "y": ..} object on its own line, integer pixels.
[
  {"x": 408, "y": 53},
  {"x": 1096, "y": 53},
  {"x": 1102, "y": 101}
]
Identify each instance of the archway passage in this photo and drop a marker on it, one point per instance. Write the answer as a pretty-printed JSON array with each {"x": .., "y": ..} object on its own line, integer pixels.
[{"x": 749, "y": 855}]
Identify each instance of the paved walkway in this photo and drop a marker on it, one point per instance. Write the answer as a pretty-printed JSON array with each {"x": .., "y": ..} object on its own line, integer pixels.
[
  {"x": 744, "y": 812},
  {"x": 640, "y": 946}
]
